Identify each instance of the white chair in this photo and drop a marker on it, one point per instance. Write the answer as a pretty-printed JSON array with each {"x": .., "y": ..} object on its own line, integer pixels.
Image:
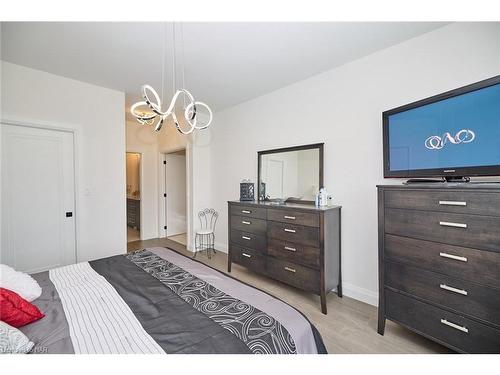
[{"x": 205, "y": 235}]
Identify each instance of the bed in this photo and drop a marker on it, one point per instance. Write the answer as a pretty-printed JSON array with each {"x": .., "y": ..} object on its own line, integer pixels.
[{"x": 157, "y": 300}]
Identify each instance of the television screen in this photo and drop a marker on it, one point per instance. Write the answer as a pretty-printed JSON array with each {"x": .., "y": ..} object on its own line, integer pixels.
[{"x": 457, "y": 135}]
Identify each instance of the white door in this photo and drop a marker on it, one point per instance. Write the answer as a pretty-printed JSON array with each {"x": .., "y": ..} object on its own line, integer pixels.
[
  {"x": 175, "y": 182},
  {"x": 38, "y": 198}
]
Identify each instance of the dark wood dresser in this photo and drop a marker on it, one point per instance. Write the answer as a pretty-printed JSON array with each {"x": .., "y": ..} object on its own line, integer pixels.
[
  {"x": 296, "y": 244},
  {"x": 439, "y": 262},
  {"x": 134, "y": 213}
]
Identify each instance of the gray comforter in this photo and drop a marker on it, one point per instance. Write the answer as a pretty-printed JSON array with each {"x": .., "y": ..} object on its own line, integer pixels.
[{"x": 185, "y": 306}]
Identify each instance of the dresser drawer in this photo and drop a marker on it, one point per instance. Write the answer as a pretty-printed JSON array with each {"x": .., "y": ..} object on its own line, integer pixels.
[
  {"x": 294, "y": 274},
  {"x": 464, "y": 202},
  {"x": 461, "y": 333},
  {"x": 294, "y": 217},
  {"x": 249, "y": 211},
  {"x": 249, "y": 258},
  {"x": 293, "y": 233},
  {"x": 249, "y": 224},
  {"x": 475, "y": 300},
  {"x": 479, "y": 266},
  {"x": 251, "y": 240},
  {"x": 293, "y": 252},
  {"x": 481, "y": 232}
]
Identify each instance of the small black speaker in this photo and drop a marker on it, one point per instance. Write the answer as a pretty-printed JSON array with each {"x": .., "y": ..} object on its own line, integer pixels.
[{"x": 247, "y": 191}]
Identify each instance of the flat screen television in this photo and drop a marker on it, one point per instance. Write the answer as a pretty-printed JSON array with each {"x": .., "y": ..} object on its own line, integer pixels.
[{"x": 450, "y": 135}]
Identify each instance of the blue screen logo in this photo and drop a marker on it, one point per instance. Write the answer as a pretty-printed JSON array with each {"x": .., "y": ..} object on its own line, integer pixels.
[{"x": 435, "y": 142}]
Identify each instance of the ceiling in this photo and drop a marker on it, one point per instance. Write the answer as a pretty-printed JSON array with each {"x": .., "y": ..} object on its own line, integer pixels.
[{"x": 225, "y": 63}]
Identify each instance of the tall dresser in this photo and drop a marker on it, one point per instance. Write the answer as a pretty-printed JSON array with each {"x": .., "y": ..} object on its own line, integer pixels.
[
  {"x": 296, "y": 244},
  {"x": 439, "y": 262}
]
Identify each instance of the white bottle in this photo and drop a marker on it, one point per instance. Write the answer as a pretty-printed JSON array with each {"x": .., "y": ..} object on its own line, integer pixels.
[{"x": 323, "y": 197}]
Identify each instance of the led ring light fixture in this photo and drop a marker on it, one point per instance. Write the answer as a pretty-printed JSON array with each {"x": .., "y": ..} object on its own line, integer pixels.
[{"x": 153, "y": 103}]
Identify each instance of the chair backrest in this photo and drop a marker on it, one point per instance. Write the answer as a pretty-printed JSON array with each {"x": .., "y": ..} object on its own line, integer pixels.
[{"x": 208, "y": 218}]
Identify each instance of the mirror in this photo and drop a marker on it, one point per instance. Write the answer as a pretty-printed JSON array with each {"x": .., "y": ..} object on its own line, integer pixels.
[{"x": 292, "y": 174}]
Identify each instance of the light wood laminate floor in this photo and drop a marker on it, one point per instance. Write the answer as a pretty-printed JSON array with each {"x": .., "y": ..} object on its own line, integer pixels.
[
  {"x": 180, "y": 238},
  {"x": 133, "y": 234},
  {"x": 349, "y": 327}
]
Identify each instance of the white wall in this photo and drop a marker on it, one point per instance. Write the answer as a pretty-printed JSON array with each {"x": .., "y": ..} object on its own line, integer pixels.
[
  {"x": 343, "y": 107},
  {"x": 97, "y": 116}
]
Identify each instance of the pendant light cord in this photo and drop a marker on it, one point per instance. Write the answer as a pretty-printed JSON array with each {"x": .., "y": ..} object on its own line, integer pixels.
[
  {"x": 183, "y": 63},
  {"x": 163, "y": 58},
  {"x": 173, "y": 59}
]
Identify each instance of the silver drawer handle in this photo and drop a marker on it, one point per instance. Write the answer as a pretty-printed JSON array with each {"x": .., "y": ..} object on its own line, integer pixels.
[
  {"x": 289, "y": 217},
  {"x": 290, "y": 230},
  {"x": 451, "y": 256},
  {"x": 450, "y": 224},
  {"x": 290, "y": 269},
  {"x": 452, "y": 203},
  {"x": 246, "y": 222},
  {"x": 454, "y": 290},
  {"x": 246, "y": 255},
  {"x": 246, "y": 238},
  {"x": 456, "y": 326},
  {"x": 246, "y": 212},
  {"x": 290, "y": 248}
]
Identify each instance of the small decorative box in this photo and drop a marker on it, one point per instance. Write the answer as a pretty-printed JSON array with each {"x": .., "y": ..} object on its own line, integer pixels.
[{"x": 247, "y": 191}]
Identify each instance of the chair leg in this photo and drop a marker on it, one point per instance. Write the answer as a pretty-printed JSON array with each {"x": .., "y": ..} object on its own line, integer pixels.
[
  {"x": 209, "y": 247},
  {"x": 212, "y": 239}
]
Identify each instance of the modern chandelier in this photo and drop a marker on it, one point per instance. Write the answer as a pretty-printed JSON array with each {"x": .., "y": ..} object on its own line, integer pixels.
[
  {"x": 153, "y": 102},
  {"x": 141, "y": 119}
]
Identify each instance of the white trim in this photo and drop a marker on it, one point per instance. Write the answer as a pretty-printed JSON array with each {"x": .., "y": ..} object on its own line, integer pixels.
[
  {"x": 162, "y": 233},
  {"x": 68, "y": 128},
  {"x": 361, "y": 294},
  {"x": 222, "y": 247}
]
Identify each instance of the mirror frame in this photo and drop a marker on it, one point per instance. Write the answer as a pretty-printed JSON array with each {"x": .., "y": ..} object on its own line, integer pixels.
[{"x": 319, "y": 146}]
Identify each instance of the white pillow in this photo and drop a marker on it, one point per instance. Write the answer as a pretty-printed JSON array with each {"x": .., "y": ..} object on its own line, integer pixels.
[
  {"x": 19, "y": 282},
  {"x": 13, "y": 340}
]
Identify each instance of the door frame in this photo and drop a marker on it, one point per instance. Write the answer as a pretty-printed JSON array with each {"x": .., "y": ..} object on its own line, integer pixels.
[
  {"x": 55, "y": 126},
  {"x": 162, "y": 214},
  {"x": 141, "y": 184}
]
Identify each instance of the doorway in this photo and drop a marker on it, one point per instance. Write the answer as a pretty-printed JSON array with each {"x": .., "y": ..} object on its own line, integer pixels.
[
  {"x": 38, "y": 198},
  {"x": 133, "y": 172},
  {"x": 175, "y": 196}
]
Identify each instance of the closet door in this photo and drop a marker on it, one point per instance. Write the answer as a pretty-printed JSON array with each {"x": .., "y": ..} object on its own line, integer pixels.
[{"x": 37, "y": 198}]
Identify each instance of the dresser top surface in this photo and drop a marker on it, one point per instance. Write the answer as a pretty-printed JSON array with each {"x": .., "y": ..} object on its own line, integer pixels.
[
  {"x": 445, "y": 185},
  {"x": 297, "y": 206}
]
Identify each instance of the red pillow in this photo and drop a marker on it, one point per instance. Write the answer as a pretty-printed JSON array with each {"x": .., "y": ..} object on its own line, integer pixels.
[{"x": 15, "y": 310}]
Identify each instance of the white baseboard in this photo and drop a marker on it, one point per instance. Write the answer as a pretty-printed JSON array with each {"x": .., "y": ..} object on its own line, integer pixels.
[
  {"x": 222, "y": 247},
  {"x": 360, "y": 294}
]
